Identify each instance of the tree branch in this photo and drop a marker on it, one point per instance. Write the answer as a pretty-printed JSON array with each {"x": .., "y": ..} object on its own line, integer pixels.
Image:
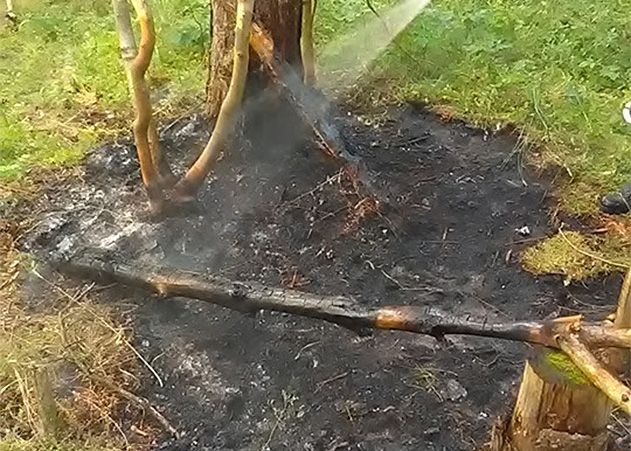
[
  {"x": 249, "y": 297},
  {"x": 10, "y": 14},
  {"x": 306, "y": 41},
  {"x": 136, "y": 61},
  {"x": 595, "y": 372},
  {"x": 227, "y": 117}
]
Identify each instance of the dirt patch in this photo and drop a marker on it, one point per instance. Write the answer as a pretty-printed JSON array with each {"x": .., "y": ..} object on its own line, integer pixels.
[{"x": 277, "y": 212}]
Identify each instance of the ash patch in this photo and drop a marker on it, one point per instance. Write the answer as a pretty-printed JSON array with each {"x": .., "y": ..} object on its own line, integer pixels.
[{"x": 277, "y": 212}]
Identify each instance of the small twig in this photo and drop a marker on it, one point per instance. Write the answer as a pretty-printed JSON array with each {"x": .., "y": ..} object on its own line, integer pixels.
[
  {"x": 287, "y": 401},
  {"x": 525, "y": 240},
  {"x": 331, "y": 214},
  {"x": 304, "y": 348},
  {"x": 404, "y": 288},
  {"x": 327, "y": 181},
  {"x": 589, "y": 254},
  {"x": 333, "y": 379},
  {"x": 142, "y": 403}
]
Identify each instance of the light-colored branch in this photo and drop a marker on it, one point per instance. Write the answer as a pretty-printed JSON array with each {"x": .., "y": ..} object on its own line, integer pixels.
[
  {"x": 136, "y": 61},
  {"x": 10, "y": 14},
  {"x": 229, "y": 111},
  {"x": 618, "y": 360},
  {"x": 623, "y": 312},
  {"x": 615, "y": 390},
  {"x": 306, "y": 41}
]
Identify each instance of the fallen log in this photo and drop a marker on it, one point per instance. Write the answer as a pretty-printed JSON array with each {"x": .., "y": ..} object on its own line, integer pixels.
[{"x": 250, "y": 297}]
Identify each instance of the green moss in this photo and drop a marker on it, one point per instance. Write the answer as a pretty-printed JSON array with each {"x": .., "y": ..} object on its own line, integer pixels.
[
  {"x": 562, "y": 363},
  {"x": 577, "y": 256}
]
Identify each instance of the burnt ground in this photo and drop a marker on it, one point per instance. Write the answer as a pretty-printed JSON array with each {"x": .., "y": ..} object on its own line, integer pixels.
[{"x": 446, "y": 236}]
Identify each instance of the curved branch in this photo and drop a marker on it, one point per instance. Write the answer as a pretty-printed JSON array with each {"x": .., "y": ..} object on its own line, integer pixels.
[
  {"x": 137, "y": 60},
  {"x": 615, "y": 390},
  {"x": 227, "y": 117}
]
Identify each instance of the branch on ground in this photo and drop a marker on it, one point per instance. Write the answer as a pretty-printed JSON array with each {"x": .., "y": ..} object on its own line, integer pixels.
[{"x": 250, "y": 297}]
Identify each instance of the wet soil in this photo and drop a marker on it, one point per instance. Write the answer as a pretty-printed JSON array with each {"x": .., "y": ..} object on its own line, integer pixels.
[{"x": 276, "y": 211}]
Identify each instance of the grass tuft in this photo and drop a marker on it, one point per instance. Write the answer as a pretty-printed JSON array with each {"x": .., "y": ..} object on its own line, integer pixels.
[
  {"x": 577, "y": 256},
  {"x": 51, "y": 359},
  {"x": 62, "y": 87}
]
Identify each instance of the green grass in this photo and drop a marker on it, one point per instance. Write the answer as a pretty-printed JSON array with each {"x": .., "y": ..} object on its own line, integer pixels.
[
  {"x": 558, "y": 70},
  {"x": 62, "y": 87}
]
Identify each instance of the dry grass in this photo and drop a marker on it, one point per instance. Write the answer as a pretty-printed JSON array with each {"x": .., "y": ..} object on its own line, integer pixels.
[{"x": 51, "y": 360}]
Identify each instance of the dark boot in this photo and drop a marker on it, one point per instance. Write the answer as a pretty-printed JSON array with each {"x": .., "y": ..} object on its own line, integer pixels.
[{"x": 618, "y": 202}]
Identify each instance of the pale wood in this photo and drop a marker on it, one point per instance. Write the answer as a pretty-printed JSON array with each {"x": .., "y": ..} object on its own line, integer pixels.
[
  {"x": 618, "y": 360},
  {"x": 552, "y": 413},
  {"x": 228, "y": 113},
  {"x": 617, "y": 392},
  {"x": 549, "y": 416},
  {"x": 306, "y": 41},
  {"x": 136, "y": 60}
]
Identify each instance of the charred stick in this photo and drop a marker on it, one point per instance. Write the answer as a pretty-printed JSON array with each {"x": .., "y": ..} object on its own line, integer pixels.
[{"x": 250, "y": 297}]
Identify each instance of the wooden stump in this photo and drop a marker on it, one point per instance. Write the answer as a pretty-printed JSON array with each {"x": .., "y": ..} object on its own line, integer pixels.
[{"x": 557, "y": 408}]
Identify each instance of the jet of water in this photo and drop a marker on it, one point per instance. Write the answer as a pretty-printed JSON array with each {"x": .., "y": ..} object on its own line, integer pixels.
[{"x": 345, "y": 59}]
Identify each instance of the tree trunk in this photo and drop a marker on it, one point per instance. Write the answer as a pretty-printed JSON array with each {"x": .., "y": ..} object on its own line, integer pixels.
[{"x": 282, "y": 18}]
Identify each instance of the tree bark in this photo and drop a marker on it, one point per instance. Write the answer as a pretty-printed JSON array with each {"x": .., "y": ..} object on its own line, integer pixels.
[{"x": 283, "y": 20}]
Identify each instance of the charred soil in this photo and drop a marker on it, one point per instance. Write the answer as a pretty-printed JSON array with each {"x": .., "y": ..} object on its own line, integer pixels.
[{"x": 452, "y": 201}]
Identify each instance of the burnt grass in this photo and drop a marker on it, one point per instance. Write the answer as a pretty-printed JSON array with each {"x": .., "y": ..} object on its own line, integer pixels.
[{"x": 277, "y": 211}]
